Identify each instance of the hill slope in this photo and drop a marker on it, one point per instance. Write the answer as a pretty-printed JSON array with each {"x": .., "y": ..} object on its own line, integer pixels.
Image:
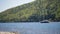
[{"x": 33, "y": 12}]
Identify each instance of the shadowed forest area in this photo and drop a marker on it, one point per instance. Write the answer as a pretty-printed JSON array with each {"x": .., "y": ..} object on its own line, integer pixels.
[{"x": 35, "y": 11}]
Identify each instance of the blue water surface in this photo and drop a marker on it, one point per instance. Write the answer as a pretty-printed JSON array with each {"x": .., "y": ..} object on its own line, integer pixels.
[{"x": 31, "y": 28}]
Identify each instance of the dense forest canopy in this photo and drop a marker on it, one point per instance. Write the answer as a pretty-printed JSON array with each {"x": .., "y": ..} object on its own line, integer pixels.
[{"x": 33, "y": 12}]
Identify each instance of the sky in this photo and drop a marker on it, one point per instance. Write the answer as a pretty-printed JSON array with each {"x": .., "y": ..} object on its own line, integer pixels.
[{"x": 6, "y": 4}]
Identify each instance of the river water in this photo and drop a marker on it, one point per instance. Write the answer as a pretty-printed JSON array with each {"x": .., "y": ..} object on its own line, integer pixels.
[{"x": 31, "y": 28}]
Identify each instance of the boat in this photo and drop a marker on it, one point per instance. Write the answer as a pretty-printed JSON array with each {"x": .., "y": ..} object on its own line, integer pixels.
[
  {"x": 44, "y": 15},
  {"x": 44, "y": 21}
]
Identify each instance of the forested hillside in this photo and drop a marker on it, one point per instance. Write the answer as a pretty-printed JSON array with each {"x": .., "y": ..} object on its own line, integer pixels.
[{"x": 33, "y": 12}]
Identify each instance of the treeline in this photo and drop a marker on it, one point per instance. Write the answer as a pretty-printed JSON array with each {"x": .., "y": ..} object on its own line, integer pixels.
[{"x": 33, "y": 12}]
